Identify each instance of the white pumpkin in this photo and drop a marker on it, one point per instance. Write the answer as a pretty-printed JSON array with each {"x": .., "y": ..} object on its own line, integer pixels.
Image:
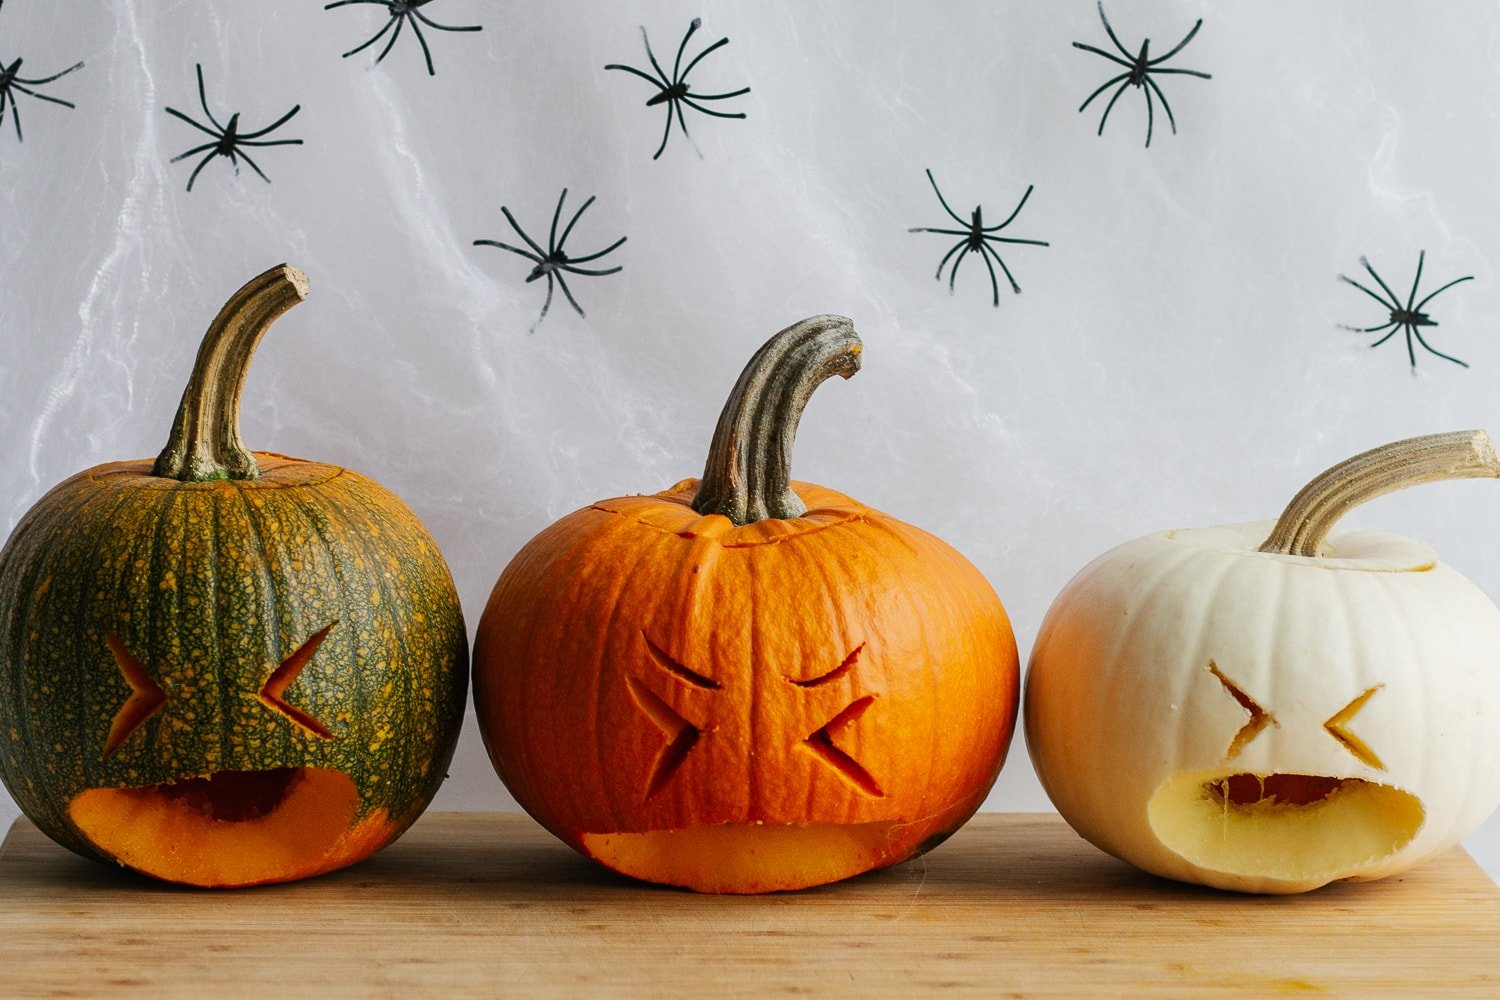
[{"x": 1271, "y": 722}]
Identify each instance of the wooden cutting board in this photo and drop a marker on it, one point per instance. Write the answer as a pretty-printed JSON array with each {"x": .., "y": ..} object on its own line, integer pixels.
[{"x": 486, "y": 904}]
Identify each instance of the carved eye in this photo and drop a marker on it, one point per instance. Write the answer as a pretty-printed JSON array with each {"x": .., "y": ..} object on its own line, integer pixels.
[
  {"x": 1338, "y": 727},
  {"x": 823, "y": 742},
  {"x": 681, "y": 734},
  {"x": 1259, "y": 717},
  {"x": 282, "y": 677},
  {"x": 146, "y": 696}
]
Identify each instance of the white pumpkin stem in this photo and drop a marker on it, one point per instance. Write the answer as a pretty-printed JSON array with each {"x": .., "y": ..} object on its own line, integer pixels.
[
  {"x": 205, "y": 441},
  {"x": 1307, "y": 520},
  {"x": 749, "y": 470}
]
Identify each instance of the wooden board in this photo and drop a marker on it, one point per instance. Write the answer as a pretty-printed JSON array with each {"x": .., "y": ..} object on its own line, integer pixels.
[{"x": 485, "y": 904}]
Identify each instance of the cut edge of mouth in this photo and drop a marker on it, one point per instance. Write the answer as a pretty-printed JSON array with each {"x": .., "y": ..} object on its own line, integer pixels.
[
  {"x": 1298, "y": 829},
  {"x": 231, "y": 828}
]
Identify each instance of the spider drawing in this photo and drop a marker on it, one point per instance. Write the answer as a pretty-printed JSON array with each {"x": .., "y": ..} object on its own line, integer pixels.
[
  {"x": 553, "y": 262},
  {"x": 977, "y": 238},
  {"x": 674, "y": 91},
  {"x": 12, "y": 83},
  {"x": 1138, "y": 71},
  {"x": 228, "y": 139},
  {"x": 402, "y": 12},
  {"x": 1407, "y": 318}
]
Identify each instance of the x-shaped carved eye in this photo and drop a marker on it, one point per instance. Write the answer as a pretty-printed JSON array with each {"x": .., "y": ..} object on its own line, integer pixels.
[
  {"x": 681, "y": 734},
  {"x": 1259, "y": 717},
  {"x": 146, "y": 696},
  {"x": 1338, "y": 727},
  {"x": 823, "y": 741},
  {"x": 281, "y": 678}
]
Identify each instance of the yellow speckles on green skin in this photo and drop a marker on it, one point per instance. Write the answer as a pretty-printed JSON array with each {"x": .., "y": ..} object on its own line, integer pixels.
[{"x": 210, "y": 587}]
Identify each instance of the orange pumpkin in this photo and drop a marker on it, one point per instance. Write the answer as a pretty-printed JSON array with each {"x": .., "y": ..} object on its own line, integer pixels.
[{"x": 745, "y": 683}]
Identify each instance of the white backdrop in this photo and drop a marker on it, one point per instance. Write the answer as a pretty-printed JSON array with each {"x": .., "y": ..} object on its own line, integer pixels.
[{"x": 1175, "y": 358}]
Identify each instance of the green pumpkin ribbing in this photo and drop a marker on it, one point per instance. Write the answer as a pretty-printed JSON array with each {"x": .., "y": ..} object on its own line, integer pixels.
[{"x": 211, "y": 586}]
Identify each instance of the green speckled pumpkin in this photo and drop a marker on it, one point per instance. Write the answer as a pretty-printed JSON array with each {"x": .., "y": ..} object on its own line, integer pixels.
[{"x": 225, "y": 668}]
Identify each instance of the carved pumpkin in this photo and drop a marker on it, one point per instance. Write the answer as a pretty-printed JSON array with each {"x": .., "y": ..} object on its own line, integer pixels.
[
  {"x": 743, "y": 683},
  {"x": 226, "y": 669},
  {"x": 1270, "y": 714}
]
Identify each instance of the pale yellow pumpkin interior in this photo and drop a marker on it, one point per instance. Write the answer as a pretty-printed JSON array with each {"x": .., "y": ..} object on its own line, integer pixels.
[
  {"x": 1290, "y": 827},
  {"x": 227, "y": 829},
  {"x": 747, "y": 857}
]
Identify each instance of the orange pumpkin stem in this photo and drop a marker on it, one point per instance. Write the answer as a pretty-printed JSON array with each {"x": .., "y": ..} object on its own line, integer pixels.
[
  {"x": 205, "y": 441},
  {"x": 749, "y": 470},
  {"x": 1307, "y": 520}
]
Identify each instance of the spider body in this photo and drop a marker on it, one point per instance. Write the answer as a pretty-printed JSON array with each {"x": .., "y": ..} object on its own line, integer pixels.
[
  {"x": 1406, "y": 318},
  {"x": 674, "y": 91},
  {"x": 402, "y": 13},
  {"x": 554, "y": 262},
  {"x": 978, "y": 238},
  {"x": 228, "y": 140},
  {"x": 12, "y": 83},
  {"x": 1138, "y": 72}
]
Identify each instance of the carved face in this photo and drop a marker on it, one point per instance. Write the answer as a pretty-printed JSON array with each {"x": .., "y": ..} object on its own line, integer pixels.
[
  {"x": 737, "y": 709},
  {"x": 226, "y": 683},
  {"x": 1264, "y": 722}
]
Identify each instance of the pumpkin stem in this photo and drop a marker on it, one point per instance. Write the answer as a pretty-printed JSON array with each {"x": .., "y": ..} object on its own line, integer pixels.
[
  {"x": 205, "y": 441},
  {"x": 1311, "y": 515},
  {"x": 749, "y": 470}
]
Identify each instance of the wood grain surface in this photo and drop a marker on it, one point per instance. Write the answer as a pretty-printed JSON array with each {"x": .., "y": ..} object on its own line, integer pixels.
[{"x": 486, "y": 904}]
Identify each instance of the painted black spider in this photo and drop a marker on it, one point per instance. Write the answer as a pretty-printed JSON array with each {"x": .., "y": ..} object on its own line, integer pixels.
[
  {"x": 1410, "y": 317},
  {"x": 673, "y": 91},
  {"x": 1138, "y": 70},
  {"x": 976, "y": 239},
  {"x": 10, "y": 80},
  {"x": 228, "y": 138},
  {"x": 401, "y": 13},
  {"x": 552, "y": 262}
]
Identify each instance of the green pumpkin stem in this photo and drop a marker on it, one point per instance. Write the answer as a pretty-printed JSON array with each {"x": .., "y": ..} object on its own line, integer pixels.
[
  {"x": 205, "y": 442},
  {"x": 1307, "y": 520},
  {"x": 749, "y": 470}
]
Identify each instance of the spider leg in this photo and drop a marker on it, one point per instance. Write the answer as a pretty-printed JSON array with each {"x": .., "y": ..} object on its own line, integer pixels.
[
  {"x": 595, "y": 256},
  {"x": 1111, "y": 106},
  {"x": 1017, "y": 211},
  {"x": 1102, "y": 88},
  {"x": 1150, "y": 115},
  {"x": 1165, "y": 106},
  {"x": 1410, "y": 351},
  {"x": 1395, "y": 329},
  {"x": 693, "y": 26},
  {"x": 1369, "y": 329},
  {"x": 443, "y": 27},
  {"x": 1182, "y": 72},
  {"x": 1421, "y": 259},
  {"x": 998, "y": 260},
  {"x": 15, "y": 116},
  {"x": 666, "y": 80},
  {"x": 195, "y": 149},
  {"x": 717, "y": 97},
  {"x": 202, "y": 128},
  {"x": 269, "y": 142},
  {"x": 546, "y": 304},
  {"x": 665, "y": 134},
  {"x": 271, "y": 127},
  {"x": 699, "y": 58},
  {"x": 203, "y": 99},
  {"x": 941, "y": 201},
  {"x": 201, "y": 164},
  {"x": 254, "y": 166},
  {"x": 552, "y": 243},
  {"x": 49, "y": 79},
  {"x": 1393, "y": 302},
  {"x": 1419, "y": 305},
  {"x": 944, "y": 262},
  {"x": 1112, "y": 36},
  {"x": 507, "y": 246},
  {"x": 1447, "y": 357},
  {"x": 682, "y": 123},
  {"x": 400, "y": 22},
  {"x": 1179, "y": 47},
  {"x": 662, "y": 85},
  {"x": 42, "y": 97},
  {"x": 569, "y": 294},
  {"x": 345, "y": 3},
  {"x": 953, "y": 274},
  {"x": 422, "y": 40},
  {"x": 945, "y": 232},
  {"x": 1390, "y": 304},
  {"x": 390, "y": 22},
  {"x": 541, "y": 254},
  {"x": 994, "y": 285},
  {"x": 716, "y": 114},
  {"x": 584, "y": 270},
  {"x": 1010, "y": 239},
  {"x": 1108, "y": 55}
]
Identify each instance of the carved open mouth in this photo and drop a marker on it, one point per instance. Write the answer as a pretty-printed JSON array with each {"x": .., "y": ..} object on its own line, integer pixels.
[
  {"x": 229, "y": 828},
  {"x": 1288, "y": 827}
]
